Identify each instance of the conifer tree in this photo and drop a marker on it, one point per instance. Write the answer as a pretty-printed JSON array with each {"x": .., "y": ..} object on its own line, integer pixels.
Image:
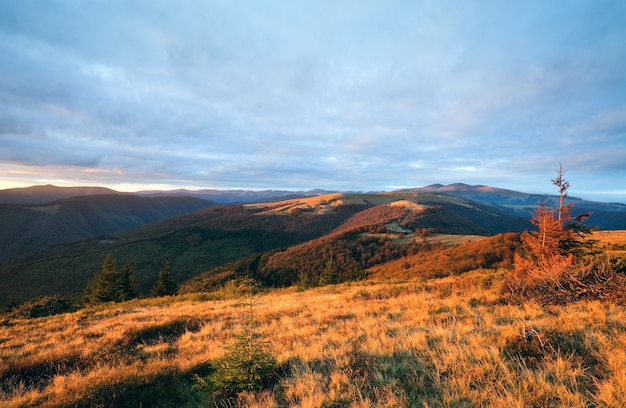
[
  {"x": 559, "y": 263},
  {"x": 164, "y": 285},
  {"x": 543, "y": 255},
  {"x": 330, "y": 274},
  {"x": 558, "y": 240},
  {"x": 103, "y": 286},
  {"x": 127, "y": 283},
  {"x": 111, "y": 285}
]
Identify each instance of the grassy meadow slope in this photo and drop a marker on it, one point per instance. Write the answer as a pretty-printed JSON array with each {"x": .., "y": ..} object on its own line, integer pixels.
[
  {"x": 442, "y": 342},
  {"x": 27, "y": 228}
]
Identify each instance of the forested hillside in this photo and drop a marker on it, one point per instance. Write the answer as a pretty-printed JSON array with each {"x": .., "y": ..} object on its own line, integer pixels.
[
  {"x": 193, "y": 243},
  {"x": 376, "y": 235},
  {"x": 26, "y": 228}
]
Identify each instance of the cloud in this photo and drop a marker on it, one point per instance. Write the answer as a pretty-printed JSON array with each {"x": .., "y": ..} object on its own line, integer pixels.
[{"x": 348, "y": 95}]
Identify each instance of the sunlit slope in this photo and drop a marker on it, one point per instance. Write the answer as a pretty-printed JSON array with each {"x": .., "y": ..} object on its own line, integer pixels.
[
  {"x": 439, "y": 342},
  {"x": 383, "y": 229}
]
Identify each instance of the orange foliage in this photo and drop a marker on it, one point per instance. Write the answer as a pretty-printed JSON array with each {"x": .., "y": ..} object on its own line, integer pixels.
[{"x": 437, "y": 260}]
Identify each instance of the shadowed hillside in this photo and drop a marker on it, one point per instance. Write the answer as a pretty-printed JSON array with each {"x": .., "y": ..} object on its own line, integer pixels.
[
  {"x": 192, "y": 243},
  {"x": 48, "y": 193},
  {"x": 26, "y": 228}
]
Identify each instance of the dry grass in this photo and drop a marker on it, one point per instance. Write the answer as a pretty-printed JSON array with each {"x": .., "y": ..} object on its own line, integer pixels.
[
  {"x": 613, "y": 242},
  {"x": 439, "y": 343},
  {"x": 444, "y": 239},
  {"x": 325, "y": 204}
]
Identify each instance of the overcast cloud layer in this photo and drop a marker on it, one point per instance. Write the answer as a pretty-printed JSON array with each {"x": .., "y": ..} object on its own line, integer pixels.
[{"x": 348, "y": 95}]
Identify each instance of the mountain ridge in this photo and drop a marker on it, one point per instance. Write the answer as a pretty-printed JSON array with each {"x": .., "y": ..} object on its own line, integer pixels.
[
  {"x": 42, "y": 194},
  {"x": 33, "y": 227},
  {"x": 201, "y": 240}
]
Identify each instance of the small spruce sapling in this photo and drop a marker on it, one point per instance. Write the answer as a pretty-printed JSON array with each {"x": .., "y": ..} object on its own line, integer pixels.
[{"x": 247, "y": 365}]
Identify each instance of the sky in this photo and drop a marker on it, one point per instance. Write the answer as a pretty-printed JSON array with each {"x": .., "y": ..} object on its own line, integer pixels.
[{"x": 298, "y": 95}]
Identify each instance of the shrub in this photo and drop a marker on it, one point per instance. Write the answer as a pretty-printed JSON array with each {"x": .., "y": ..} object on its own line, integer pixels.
[
  {"x": 44, "y": 306},
  {"x": 592, "y": 278},
  {"x": 247, "y": 366}
]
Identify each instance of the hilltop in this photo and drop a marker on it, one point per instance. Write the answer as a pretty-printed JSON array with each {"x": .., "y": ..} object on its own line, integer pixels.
[{"x": 47, "y": 193}]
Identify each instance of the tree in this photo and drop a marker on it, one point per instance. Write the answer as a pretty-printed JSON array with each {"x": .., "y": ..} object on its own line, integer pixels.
[
  {"x": 164, "y": 285},
  {"x": 111, "y": 285},
  {"x": 128, "y": 285},
  {"x": 563, "y": 185},
  {"x": 248, "y": 364},
  {"x": 543, "y": 254},
  {"x": 558, "y": 263},
  {"x": 330, "y": 274},
  {"x": 559, "y": 239},
  {"x": 576, "y": 241}
]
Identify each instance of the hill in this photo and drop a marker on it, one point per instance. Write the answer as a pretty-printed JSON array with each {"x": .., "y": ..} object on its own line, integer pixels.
[
  {"x": 192, "y": 243},
  {"x": 235, "y": 196},
  {"x": 48, "y": 193},
  {"x": 380, "y": 231},
  {"x": 607, "y": 216},
  {"x": 448, "y": 342},
  {"x": 27, "y": 228},
  {"x": 214, "y": 237}
]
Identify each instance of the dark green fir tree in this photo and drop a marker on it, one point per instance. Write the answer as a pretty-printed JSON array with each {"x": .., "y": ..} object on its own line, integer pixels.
[
  {"x": 128, "y": 286},
  {"x": 164, "y": 285},
  {"x": 111, "y": 285}
]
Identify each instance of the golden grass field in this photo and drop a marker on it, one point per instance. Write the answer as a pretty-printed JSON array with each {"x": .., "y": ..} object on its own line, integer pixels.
[
  {"x": 326, "y": 203},
  {"x": 449, "y": 342},
  {"x": 613, "y": 242}
]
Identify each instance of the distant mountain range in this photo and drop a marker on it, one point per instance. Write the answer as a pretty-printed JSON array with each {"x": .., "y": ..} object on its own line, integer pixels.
[
  {"x": 510, "y": 198},
  {"x": 41, "y": 216},
  {"x": 236, "y": 196},
  {"x": 47, "y": 193},
  {"x": 604, "y": 216}
]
